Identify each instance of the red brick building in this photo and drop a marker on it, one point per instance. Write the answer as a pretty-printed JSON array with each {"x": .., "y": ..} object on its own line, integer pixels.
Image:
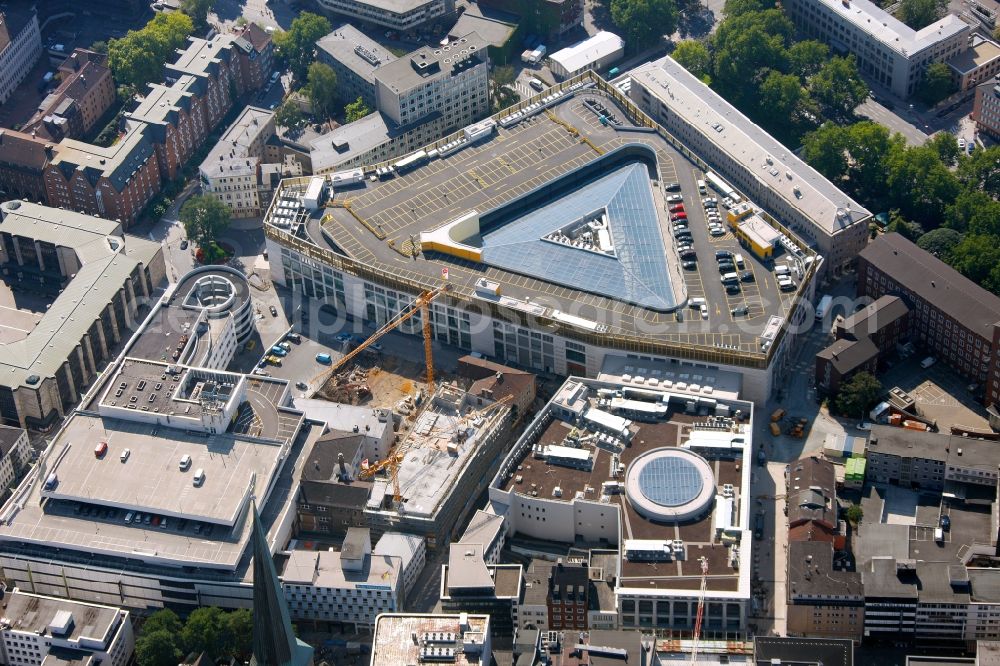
[
  {"x": 950, "y": 317},
  {"x": 22, "y": 165},
  {"x": 569, "y": 594},
  {"x": 174, "y": 120},
  {"x": 259, "y": 55},
  {"x": 84, "y": 94}
]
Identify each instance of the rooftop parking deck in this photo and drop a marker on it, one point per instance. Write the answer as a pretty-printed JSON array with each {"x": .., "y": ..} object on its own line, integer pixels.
[{"x": 377, "y": 223}]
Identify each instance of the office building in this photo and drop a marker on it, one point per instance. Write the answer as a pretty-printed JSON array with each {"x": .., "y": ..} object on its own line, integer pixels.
[
  {"x": 85, "y": 92},
  {"x": 598, "y": 53},
  {"x": 419, "y": 98},
  {"x": 950, "y": 316},
  {"x": 487, "y": 531},
  {"x": 232, "y": 169},
  {"x": 462, "y": 639},
  {"x": 354, "y": 57},
  {"x": 403, "y": 15},
  {"x": 986, "y": 108},
  {"x": 94, "y": 279},
  {"x": 469, "y": 585},
  {"x": 977, "y": 64},
  {"x": 590, "y": 456},
  {"x": 20, "y": 46},
  {"x": 890, "y": 52},
  {"x": 550, "y": 19},
  {"x": 14, "y": 454},
  {"x": 38, "y": 629},
  {"x": 802, "y": 651},
  {"x": 752, "y": 160},
  {"x": 351, "y": 586},
  {"x": 864, "y": 340}
]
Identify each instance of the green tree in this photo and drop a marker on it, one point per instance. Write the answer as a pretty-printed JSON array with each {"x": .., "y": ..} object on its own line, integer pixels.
[
  {"x": 137, "y": 58},
  {"x": 780, "y": 95},
  {"x": 694, "y": 56},
  {"x": 163, "y": 619},
  {"x": 974, "y": 211},
  {"x": 738, "y": 7},
  {"x": 240, "y": 629},
  {"x": 289, "y": 115},
  {"x": 204, "y": 218},
  {"x": 936, "y": 84},
  {"x": 807, "y": 57},
  {"x": 939, "y": 242},
  {"x": 298, "y": 45},
  {"x": 356, "y": 110},
  {"x": 207, "y": 630},
  {"x": 921, "y": 13},
  {"x": 197, "y": 10},
  {"x": 747, "y": 47},
  {"x": 981, "y": 171},
  {"x": 100, "y": 46},
  {"x": 858, "y": 394},
  {"x": 838, "y": 87},
  {"x": 905, "y": 228},
  {"x": 869, "y": 145},
  {"x": 919, "y": 184},
  {"x": 322, "y": 87},
  {"x": 854, "y": 514},
  {"x": 825, "y": 149},
  {"x": 946, "y": 146},
  {"x": 502, "y": 93},
  {"x": 977, "y": 257},
  {"x": 157, "y": 648},
  {"x": 644, "y": 22}
]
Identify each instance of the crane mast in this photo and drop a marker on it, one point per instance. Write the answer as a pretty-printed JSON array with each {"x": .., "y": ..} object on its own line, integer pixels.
[{"x": 701, "y": 610}]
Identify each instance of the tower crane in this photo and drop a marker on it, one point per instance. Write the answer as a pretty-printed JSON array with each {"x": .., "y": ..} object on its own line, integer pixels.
[
  {"x": 701, "y": 610},
  {"x": 419, "y": 305}
]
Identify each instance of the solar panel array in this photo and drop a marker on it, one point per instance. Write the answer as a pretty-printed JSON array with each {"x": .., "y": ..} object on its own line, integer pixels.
[{"x": 637, "y": 274}]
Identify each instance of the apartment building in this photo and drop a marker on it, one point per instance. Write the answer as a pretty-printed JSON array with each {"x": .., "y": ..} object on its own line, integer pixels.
[
  {"x": 929, "y": 460},
  {"x": 822, "y": 601},
  {"x": 231, "y": 170},
  {"x": 887, "y": 50},
  {"x": 85, "y": 92},
  {"x": 175, "y": 122},
  {"x": 986, "y": 108},
  {"x": 14, "y": 454},
  {"x": 87, "y": 267},
  {"x": 550, "y": 19},
  {"x": 20, "y": 46},
  {"x": 419, "y": 98},
  {"x": 38, "y": 629},
  {"x": 23, "y": 160},
  {"x": 354, "y": 57},
  {"x": 864, "y": 340},
  {"x": 752, "y": 161},
  {"x": 950, "y": 316},
  {"x": 258, "y": 59},
  {"x": 393, "y": 14}
]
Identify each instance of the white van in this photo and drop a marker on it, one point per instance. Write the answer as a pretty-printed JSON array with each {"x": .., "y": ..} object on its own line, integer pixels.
[
  {"x": 128, "y": 517},
  {"x": 781, "y": 269},
  {"x": 696, "y": 303},
  {"x": 701, "y": 187},
  {"x": 939, "y": 535},
  {"x": 730, "y": 278},
  {"x": 199, "y": 477},
  {"x": 738, "y": 260},
  {"x": 185, "y": 463}
]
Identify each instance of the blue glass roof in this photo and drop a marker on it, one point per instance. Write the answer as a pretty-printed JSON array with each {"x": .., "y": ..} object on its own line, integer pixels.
[
  {"x": 636, "y": 273},
  {"x": 670, "y": 481}
]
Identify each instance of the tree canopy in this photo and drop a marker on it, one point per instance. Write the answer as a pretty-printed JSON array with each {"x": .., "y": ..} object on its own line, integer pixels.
[
  {"x": 322, "y": 89},
  {"x": 644, "y": 22},
  {"x": 298, "y": 44},
  {"x": 939, "y": 242},
  {"x": 289, "y": 115},
  {"x": 197, "y": 10},
  {"x": 837, "y": 87},
  {"x": 164, "y": 639},
  {"x": 921, "y": 13},
  {"x": 858, "y": 394},
  {"x": 693, "y": 56},
  {"x": 936, "y": 84},
  {"x": 137, "y": 58},
  {"x": 204, "y": 218},
  {"x": 356, "y": 110}
]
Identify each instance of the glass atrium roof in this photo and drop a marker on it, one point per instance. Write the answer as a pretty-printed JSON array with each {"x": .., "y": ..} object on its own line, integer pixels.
[
  {"x": 635, "y": 271},
  {"x": 670, "y": 481}
]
